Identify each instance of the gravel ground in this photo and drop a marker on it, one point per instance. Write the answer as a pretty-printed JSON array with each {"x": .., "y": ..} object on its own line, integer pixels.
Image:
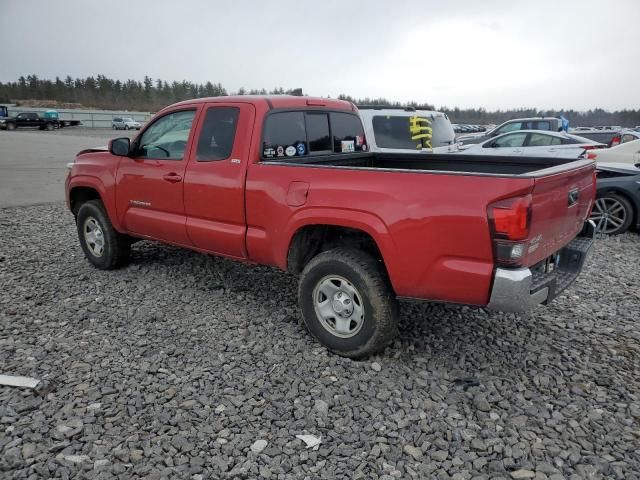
[{"x": 187, "y": 366}]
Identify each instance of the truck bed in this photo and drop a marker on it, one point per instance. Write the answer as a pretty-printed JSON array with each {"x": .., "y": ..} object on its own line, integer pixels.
[{"x": 450, "y": 163}]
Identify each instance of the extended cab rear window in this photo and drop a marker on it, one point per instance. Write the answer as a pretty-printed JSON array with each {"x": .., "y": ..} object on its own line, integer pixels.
[{"x": 317, "y": 132}]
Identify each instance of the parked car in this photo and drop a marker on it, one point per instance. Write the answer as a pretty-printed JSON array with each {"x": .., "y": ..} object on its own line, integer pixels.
[
  {"x": 47, "y": 121},
  {"x": 533, "y": 143},
  {"x": 609, "y": 137},
  {"x": 618, "y": 198},
  {"x": 125, "y": 123},
  {"x": 390, "y": 129},
  {"x": 551, "y": 124},
  {"x": 580, "y": 129},
  {"x": 628, "y": 152},
  {"x": 289, "y": 182},
  {"x": 629, "y": 135}
]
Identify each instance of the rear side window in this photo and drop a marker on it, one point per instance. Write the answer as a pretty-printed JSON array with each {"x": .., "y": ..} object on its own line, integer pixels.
[
  {"x": 541, "y": 140},
  {"x": 218, "y": 134},
  {"x": 283, "y": 134},
  {"x": 295, "y": 134}
]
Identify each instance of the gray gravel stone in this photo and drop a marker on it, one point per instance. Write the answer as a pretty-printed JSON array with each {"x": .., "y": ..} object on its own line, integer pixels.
[
  {"x": 258, "y": 446},
  {"x": 523, "y": 474},
  {"x": 414, "y": 452},
  {"x": 174, "y": 366}
]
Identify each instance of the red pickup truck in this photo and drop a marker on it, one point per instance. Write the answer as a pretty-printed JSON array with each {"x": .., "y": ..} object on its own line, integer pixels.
[{"x": 289, "y": 182}]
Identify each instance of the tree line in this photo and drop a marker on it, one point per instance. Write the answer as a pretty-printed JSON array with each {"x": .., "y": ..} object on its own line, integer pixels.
[{"x": 151, "y": 95}]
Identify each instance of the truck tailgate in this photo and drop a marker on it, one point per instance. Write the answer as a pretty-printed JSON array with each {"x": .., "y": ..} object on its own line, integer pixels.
[{"x": 561, "y": 203}]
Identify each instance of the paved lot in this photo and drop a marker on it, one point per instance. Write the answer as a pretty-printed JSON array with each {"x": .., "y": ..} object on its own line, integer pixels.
[
  {"x": 33, "y": 162},
  {"x": 187, "y": 366}
]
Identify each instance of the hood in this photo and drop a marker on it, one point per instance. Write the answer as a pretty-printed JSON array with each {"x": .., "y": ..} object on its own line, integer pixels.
[{"x": 94, "y": 149}]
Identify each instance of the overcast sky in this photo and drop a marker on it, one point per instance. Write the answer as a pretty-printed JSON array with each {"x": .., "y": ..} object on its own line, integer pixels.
[{"x": 492, "y": 53}]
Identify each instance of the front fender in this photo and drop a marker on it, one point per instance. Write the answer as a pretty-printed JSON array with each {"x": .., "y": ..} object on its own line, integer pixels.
[{"x": 106, "y": 195}]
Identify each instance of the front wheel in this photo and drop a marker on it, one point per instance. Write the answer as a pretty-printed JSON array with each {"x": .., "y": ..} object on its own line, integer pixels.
[
  {"x": 347, "y": 302},
  {"x": 49, "y": 126},
  {"x": 612, "y": 214},
  {"x": 103, "y": 246},
  {"x": 11, "y": 126}
]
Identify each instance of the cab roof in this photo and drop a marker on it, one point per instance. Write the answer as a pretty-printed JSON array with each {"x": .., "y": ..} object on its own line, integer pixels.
[{"x": 276, "y": 101}]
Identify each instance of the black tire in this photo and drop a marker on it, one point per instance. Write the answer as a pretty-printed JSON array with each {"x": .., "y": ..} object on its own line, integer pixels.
[
  {"x": 367, "y": 275},
  {"x": 126, "y": 127},
  {"x": 49, "y": 126},
  {"x": 613, "y": 202},
  {"x": 116, "y": 246},
  {"x": 11, "y": 126}
]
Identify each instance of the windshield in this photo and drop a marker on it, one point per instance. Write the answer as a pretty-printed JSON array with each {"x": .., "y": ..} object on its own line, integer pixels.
[{"x": 127, "y": 119}]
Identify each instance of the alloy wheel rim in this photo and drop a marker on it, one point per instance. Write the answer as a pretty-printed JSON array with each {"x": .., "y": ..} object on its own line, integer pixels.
[
  {"x": 93, "y": 236},
  {"x": 338, "y": 306},
  {"x": 608, "y": 214}
]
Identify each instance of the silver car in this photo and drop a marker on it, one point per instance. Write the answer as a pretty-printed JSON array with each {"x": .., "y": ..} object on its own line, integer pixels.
[{"x": 125, "y": 123}]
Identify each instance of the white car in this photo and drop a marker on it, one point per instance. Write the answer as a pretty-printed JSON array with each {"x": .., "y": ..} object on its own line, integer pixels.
[
  {"x": 388, "y": 129},
  {"x": 125, "y": 123},
  {"x": 627, "y": 153},
  {"x": 533, "y": 143}
]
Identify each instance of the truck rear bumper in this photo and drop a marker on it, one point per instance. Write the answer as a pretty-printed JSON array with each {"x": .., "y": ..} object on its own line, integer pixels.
[{"x": 521, "y": 289}]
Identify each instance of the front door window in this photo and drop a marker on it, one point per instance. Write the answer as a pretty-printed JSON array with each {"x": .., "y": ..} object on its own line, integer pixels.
[{"x": 167, "y": 138}]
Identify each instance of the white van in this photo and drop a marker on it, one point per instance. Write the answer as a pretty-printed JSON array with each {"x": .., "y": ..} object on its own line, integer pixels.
[{"x": 388, "y": 129}]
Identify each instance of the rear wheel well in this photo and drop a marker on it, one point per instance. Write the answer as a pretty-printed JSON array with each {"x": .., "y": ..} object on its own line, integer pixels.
[
  {"x": 311, "y": 240},
  {"x": 80, "y": 195}
]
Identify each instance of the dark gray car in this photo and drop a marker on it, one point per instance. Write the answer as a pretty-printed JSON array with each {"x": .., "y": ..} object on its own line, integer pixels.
[{"x": 617, "y": 198}]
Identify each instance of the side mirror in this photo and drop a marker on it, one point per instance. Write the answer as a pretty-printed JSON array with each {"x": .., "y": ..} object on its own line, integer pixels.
[{"x": 120, "y": 147}]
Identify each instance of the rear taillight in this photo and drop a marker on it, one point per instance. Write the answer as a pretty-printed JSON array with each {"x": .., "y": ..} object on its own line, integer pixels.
[
  {"x": 592, "y": 155},
  {"x": 510, "y": 218},
  {"x": 590, "y": 147},
  {"x": 509, "y": 221},
  {"x": 615, "y": 141}
]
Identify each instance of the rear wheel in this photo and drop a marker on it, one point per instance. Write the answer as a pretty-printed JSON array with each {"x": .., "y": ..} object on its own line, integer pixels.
[
  {"x": 126, "y": 127},
  {"x": 49, "y": 126},
  {"x": 347, "y": 302},
  {"x": 612, "y": 214},
  {"x": 103, "y": 246}
]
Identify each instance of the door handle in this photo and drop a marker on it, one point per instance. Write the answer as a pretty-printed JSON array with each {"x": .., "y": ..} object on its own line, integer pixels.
[{"x": 172, "y": 177}]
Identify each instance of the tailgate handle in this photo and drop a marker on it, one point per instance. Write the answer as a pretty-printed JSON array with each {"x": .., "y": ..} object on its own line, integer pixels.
[{"x": 573, "y": 197}]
